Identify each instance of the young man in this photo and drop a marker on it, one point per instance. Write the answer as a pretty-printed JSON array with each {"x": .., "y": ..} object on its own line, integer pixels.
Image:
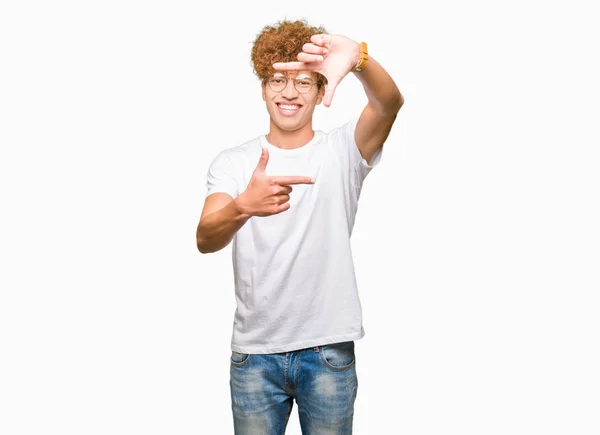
[{"x": 288, "y": 201}]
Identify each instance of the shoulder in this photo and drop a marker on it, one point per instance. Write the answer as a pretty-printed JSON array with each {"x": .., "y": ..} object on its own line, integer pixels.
[
  {"x": 342, "y": 137},
  {"x": 344, "y": 128},
  {"x": 238, "y": 154}
]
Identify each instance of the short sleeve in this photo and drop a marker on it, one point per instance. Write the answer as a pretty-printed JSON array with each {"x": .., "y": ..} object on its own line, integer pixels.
[
  {"x": 221, "y": 176},
  {"x": 349, "y": 152}
]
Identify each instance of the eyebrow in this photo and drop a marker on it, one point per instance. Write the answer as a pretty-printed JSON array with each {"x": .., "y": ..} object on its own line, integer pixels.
[{"x": 299, "y": 76}]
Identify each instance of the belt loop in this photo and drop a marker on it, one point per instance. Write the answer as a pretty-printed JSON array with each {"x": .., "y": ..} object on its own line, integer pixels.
[{"x": 316, "y": 348}]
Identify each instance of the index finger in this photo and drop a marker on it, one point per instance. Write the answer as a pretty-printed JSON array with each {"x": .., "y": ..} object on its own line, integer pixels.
[
  {"x": 290, "y": 66},
  {"x": 291, "y": 180}
]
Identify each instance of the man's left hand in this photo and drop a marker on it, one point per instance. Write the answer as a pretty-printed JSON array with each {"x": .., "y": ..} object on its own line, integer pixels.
[{"x": 334, "y": 56}]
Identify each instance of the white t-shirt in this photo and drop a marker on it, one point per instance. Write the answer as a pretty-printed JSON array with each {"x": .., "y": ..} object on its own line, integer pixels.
[{"x": 295, "y": 285}]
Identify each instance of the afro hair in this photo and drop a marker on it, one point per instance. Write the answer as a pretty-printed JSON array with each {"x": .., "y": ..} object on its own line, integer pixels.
[{"x": 282, "y": 42}]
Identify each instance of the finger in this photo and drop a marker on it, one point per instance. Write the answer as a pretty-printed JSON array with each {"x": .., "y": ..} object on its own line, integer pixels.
[
  {"x": 283, "y": 207},
  {"x": 313, "y": 48},
  {"x": 290, "y": 66},
  {"x": 284, "y": 189},
  {"x": 307, "y": 58},
  {"x": 291, "y": 180},
  {"x": 262, "y": 162},
  {"x": 330, "y": 90},
  {"x": 322, "y": 39},
  {"x": 281, "y": 199}
]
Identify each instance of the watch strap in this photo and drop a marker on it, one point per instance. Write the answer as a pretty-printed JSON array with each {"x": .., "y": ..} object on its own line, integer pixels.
[{"x": 363, "y": 57}]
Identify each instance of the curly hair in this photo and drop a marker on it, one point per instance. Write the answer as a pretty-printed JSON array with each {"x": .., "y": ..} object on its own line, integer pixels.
[{"x": 282, "y": 42}]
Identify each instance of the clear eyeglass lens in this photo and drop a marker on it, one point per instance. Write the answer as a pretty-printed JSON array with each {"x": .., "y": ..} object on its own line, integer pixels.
[{"x": 303, "y": 85}]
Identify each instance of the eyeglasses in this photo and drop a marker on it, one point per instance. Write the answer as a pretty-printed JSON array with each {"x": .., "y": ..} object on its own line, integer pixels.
[{"x": 279, "y": 82}]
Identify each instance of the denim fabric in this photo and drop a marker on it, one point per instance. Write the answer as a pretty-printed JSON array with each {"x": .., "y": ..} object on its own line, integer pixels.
[{"x": 321, "y": 379}]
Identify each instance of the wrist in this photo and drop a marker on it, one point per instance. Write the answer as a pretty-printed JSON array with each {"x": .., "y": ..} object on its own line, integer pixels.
[
  {"x": 240, "y": 207},
  {"x": 362, "y": 57},
  {"x": 356, "y": 55}
]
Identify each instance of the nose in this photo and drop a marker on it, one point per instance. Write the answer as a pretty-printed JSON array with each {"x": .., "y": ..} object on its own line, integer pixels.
[{"x": 290, "y": 90}]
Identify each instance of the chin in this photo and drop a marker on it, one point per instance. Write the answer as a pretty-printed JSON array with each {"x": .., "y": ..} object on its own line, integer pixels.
[{"x": 292, "y": 126}]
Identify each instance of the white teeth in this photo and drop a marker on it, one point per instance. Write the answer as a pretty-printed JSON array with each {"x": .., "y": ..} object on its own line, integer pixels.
[{"x": 286, "y": 107}]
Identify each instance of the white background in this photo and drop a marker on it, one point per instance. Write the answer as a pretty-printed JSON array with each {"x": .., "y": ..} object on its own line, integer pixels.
[{"x": 476, "y": 244}]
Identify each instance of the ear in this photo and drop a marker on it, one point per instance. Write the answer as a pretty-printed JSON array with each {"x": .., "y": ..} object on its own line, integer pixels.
[{"x": 264, "y": 93}]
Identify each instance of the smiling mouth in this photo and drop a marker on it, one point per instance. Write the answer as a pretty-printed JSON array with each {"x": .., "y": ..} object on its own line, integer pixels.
[{"x": 288, "y": 109}]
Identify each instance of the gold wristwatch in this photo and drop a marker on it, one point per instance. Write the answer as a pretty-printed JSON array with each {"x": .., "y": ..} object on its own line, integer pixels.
[{"x": 363, "y": 57}]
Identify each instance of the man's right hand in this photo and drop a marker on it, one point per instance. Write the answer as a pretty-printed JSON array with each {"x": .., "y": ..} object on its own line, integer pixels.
[{"x": 268, "y": 195}]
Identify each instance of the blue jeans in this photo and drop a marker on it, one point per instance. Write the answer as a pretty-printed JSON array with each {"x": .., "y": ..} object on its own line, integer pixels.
[{"x": 322, "y": 379}]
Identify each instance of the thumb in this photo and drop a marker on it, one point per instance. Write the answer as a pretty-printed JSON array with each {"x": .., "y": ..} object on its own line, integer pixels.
[
  {"x": 331, "y": 85},
  {"x": 262, "y": 163}
]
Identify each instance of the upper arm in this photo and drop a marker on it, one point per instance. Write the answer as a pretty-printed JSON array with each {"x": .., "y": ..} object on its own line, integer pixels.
[
  {"x": 221, "y": 184},
  {"x": 214, "y": 202},
  {"x": 222, "y": 176},
  {"x": 372, "y": 130}
]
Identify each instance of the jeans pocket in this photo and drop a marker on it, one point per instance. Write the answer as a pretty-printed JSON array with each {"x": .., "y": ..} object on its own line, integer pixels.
[
  {"x": 339, "y": 356},
  {"x": 239, "y": 359}
]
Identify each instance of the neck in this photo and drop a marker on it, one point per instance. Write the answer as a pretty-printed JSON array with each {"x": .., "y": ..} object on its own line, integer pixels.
[{"x": 289, "y": 140}]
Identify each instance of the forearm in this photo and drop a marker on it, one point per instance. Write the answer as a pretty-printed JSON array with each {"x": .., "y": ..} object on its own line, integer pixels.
[
  {"x": 217, "y": 229},
  {"x": 382, "y": 92}
]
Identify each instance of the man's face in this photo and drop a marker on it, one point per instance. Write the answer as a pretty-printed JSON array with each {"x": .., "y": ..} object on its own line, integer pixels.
[{"x": 290, "y": 108}]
